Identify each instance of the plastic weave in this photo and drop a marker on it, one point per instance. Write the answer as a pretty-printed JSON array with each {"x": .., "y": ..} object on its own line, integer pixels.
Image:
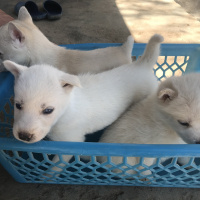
[{"x": 32, "y": 163}]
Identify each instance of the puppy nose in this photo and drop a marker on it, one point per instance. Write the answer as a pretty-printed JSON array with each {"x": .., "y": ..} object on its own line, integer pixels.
[
  {"x": 25, "y": 136},
  {"x": 197, "y": 142}
]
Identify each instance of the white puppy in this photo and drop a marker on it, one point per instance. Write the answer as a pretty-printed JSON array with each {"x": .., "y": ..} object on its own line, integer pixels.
[
  {"x": 22, "y": 42},
  {"x": 170, "y": 115},
  {"x": 66, "y": 107}
]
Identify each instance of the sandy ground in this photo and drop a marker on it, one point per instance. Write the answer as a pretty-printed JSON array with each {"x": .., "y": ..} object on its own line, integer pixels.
[{"x": 105, "y": 21}]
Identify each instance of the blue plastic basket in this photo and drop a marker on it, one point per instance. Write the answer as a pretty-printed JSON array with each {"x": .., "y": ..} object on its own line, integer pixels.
[{"x": 29, "y": 163}]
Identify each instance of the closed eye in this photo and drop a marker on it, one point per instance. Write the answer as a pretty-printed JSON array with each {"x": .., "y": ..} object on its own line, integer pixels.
[{"x": 182, "y": 123}]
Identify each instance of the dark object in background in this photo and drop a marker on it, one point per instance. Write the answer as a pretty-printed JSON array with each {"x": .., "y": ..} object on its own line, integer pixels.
[{"x": 51, "y": 10}]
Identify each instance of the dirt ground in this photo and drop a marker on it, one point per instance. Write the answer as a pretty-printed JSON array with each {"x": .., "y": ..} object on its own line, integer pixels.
[{"x": 107, "y": 21}]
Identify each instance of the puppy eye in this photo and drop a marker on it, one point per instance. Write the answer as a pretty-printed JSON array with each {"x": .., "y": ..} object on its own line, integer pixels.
[
  {"x": 47, "y": 111},
  {"x": 185, "y": 124},
  {"x": 18, "y": 106}
]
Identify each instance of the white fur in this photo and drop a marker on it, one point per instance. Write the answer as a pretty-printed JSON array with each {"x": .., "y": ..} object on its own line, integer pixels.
[
  {"x": 155, "y": 120},
  {"x": 97, "y": 101},
  {"x": 22, "y": 42}
]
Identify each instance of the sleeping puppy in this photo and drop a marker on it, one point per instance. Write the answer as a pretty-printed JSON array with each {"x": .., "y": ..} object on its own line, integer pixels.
[{"x": 170, "y": 115}]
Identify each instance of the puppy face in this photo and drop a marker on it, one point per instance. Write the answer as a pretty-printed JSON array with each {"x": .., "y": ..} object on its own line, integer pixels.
[
  {"x": 13, "y": 39},
  {"x": 42, "y": 94},
  {"x": 179, "y": 104}
]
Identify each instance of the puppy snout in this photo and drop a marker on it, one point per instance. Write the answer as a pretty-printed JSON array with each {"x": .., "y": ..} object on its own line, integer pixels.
[{"x": 25, "y": 136}]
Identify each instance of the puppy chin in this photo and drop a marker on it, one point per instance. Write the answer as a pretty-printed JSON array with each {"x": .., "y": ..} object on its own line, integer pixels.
[
  {"x": 31, "y": 141},
  {"x": 35, "y": 140},
  {"x": 25, "y": 141},
  {"x": 190, "y": 141}
]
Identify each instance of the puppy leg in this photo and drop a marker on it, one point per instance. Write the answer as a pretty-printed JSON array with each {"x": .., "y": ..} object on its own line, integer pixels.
[
  {"x": 58, "y": 168},
  {"x": 184, "y": 161},
  {"x": 148, "y": 162},
  {"x": 65, "y": 158}
]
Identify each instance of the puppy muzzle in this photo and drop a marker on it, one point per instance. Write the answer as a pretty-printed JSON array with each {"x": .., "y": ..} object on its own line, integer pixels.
[{"x": 25, "y": 136}]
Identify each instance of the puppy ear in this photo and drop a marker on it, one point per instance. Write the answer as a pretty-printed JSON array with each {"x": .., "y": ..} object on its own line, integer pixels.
[
  {"x": 16, "y": 35},
  {"x": 14, "y": 68},
  {"x": 24, "y": 15},
  {"x": 167, "y": 95},
  {"x": 68, "y": 81}
]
